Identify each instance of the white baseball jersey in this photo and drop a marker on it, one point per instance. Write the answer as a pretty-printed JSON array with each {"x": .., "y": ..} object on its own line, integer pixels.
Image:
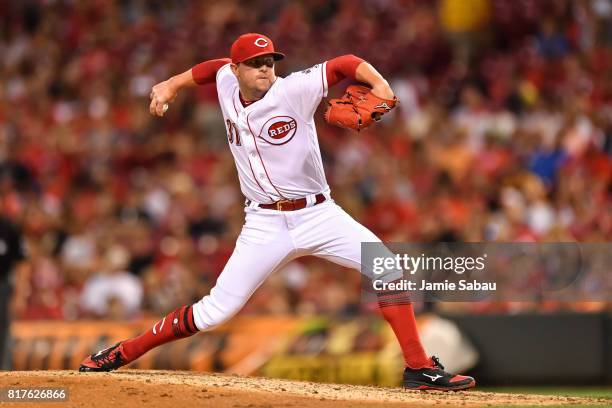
[{"x": 274, "y": 140}]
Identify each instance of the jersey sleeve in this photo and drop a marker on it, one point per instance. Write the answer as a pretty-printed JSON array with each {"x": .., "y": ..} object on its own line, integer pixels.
[
  {"x": 206, "y": 72},
  {"x": 305, "y": 89},
  {"x": 342, "y": 67}
]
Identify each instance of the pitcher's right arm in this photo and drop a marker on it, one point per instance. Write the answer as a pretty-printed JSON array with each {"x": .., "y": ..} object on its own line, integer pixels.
[{"x": 165, "y": 91}]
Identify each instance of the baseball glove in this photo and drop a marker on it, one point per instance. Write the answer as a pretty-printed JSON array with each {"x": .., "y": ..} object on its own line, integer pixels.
[{"x": 358, "y": 108}]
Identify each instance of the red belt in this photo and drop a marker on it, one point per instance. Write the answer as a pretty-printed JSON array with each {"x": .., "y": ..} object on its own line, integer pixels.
[{"x": 291, "y": 205}]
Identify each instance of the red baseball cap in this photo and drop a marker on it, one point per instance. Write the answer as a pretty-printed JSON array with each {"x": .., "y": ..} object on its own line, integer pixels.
[{"x": 253, "y": 45}]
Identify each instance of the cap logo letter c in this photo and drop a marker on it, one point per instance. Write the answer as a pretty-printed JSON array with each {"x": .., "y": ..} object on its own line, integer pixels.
[{"x": 261, "y": 42}]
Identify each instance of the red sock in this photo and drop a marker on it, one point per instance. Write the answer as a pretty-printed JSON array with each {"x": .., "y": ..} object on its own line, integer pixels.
[
  {"x": 397, "y": 309},
  {"x": 177, "y": 324}
]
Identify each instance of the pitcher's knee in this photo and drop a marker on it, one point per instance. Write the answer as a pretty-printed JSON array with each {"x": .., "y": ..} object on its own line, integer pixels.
[{"x": 209, "y": 312}]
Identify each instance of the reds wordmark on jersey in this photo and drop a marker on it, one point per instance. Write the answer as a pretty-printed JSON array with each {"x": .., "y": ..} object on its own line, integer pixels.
[{"x": 274, "y": 140}]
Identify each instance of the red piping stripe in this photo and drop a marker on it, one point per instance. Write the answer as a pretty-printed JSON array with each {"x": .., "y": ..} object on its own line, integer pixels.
[
  {"x": 234, "y": 101},
  {"x": 260, "y": 158},
  {"x": 251, "y": 167},
  {"x": 322, "y": 79}
]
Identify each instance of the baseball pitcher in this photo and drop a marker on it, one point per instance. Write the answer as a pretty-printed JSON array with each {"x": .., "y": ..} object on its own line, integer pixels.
[{"x": 289, "y": 210}]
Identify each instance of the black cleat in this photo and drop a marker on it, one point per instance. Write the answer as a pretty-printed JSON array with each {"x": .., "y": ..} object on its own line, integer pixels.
[
  {"x": 108, "y": 359},
  {"x": 435, "y": 378}
]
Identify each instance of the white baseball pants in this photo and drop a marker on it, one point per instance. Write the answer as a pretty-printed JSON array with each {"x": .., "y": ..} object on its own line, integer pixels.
[{"x": 269, "y": 240}]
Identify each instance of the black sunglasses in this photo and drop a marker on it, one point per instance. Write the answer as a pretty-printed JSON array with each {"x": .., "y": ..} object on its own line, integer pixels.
[{"x": 257, "y": 62}]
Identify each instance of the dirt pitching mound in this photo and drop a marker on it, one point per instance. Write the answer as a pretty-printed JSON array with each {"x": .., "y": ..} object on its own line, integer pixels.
[{"x": 180, "y": 389}]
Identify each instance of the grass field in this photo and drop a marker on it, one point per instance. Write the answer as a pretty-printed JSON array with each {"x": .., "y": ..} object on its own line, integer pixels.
[
  {"x": 592, "y": 392},
  {"x": 582, "y": 392}
]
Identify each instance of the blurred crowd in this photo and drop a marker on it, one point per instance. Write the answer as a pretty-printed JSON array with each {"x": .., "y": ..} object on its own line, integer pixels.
[{"x": 504, "y": 133}]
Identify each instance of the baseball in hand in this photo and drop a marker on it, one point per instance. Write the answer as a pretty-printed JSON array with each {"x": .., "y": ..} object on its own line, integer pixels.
[{"x": 165, "y": 108}]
